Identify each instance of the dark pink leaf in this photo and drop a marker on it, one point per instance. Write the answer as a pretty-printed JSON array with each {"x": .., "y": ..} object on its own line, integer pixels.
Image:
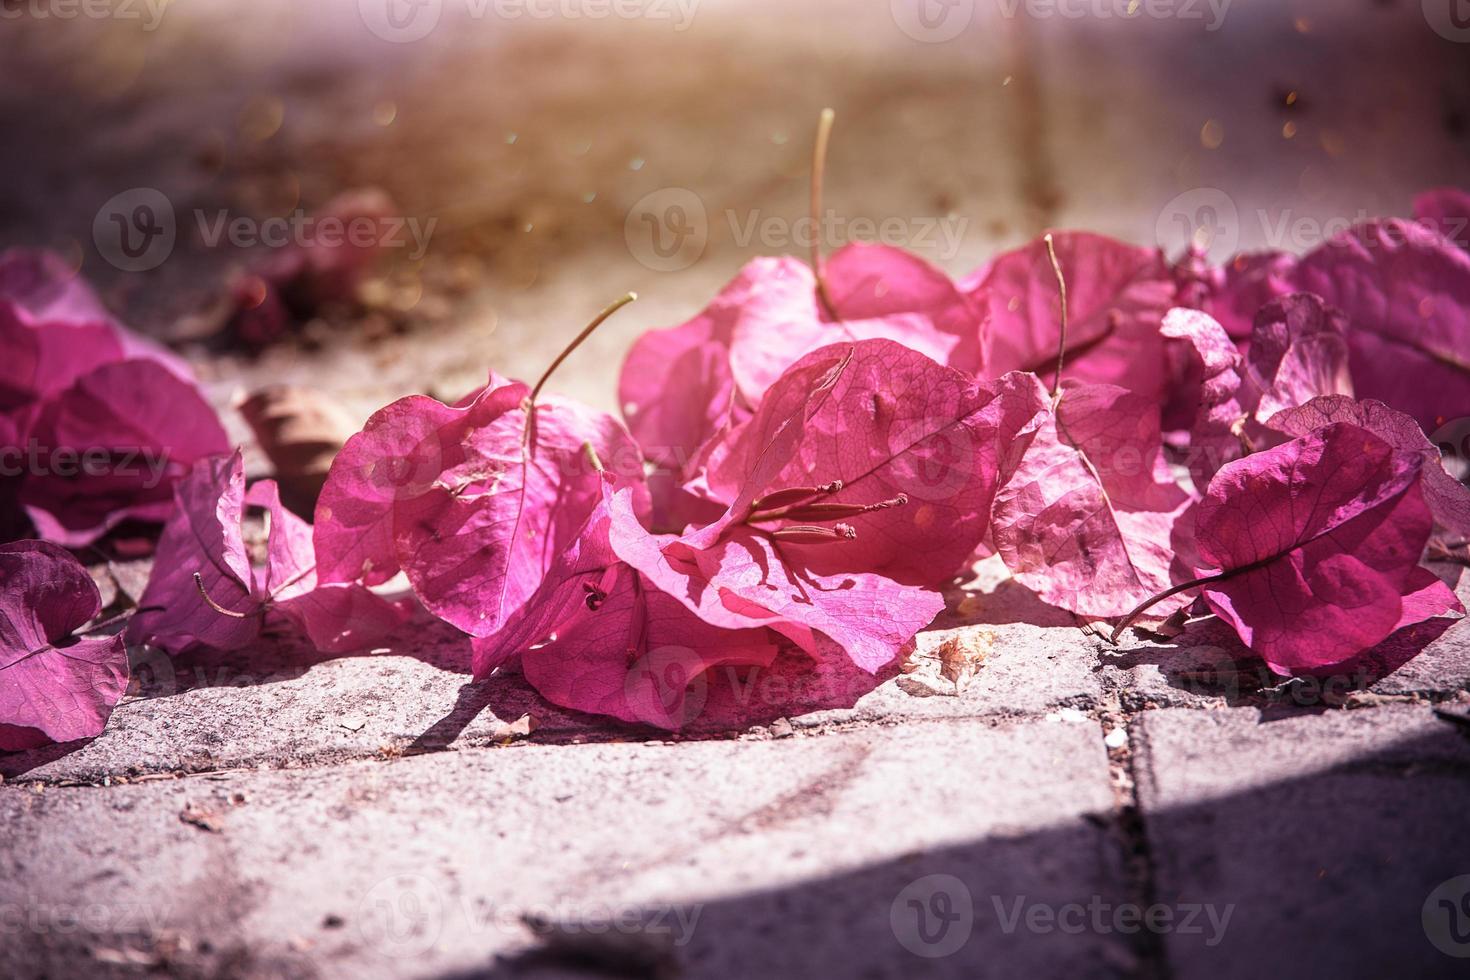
[
  {"x": 679, "y": 387},
  {"x": 50, "y": 292},
  {"x": 53, "y": 687},
  {"x": 748, "y": 578},
  {"x": 784, "y": 320},
  {"x": 1313, "y": 546},
  {"x": 639, "y": 655},
  {"x": 1244, "y": 285},
  {"x": 42, "y": 360},
  {"x": 112, "y": 447},
  {"x": 477, "y": 543},
  {"x": 1406, "y": 293},
  {"x": 866, "y": 463},
  {"x": 1448, "y": 499},
  {"x": 1088, "y": 518},
  {"x": 336, "y": 617},
  {"x": 1117, "y": 297}
]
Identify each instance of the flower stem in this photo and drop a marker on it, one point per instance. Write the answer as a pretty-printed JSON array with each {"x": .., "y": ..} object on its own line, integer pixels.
[
  {"x": 199, "y": 582},
  {"x": 1149, "y": 603},
  {"x": 819, "y": 170},
  {"x": 581, "y": 337},
  {"x": 1051, "y": 250}
]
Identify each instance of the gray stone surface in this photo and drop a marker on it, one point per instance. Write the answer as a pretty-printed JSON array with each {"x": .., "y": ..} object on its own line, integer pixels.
[
  {"x": 1326, "y": 833},
  {"x": 791, "y": 853}
]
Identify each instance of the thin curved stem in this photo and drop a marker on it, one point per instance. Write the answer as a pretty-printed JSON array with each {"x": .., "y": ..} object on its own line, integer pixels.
[
  {"x": 199, "y": 582},
  {"x": 1056, "y": 265},
  {"x": 1149, "y": 603},
  {"x": 587, "y": 331},
  {"x": 819, "y": 171}
]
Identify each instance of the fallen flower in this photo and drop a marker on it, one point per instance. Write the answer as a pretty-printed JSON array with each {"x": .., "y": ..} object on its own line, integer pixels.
[
  {"x": 473, "y": 502},
  {"x": 1119, "y": 295},
  {"x": 54, "y": 686},
  {"x": 205, "y": 591},
  {"x": 1311, "y": 550},
  {"x": 1406, "y": 292},
  {"x": 1448, "y": 498},
  {"x": 1089, "y": 517}
]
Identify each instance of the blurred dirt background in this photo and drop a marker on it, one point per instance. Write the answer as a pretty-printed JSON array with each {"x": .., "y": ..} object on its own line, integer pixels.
[{"x": 540, "y": 145}]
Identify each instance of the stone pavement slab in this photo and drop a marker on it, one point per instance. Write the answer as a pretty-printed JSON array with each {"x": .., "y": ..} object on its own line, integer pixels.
[
  {"x": 1325, "y": 835},
  {"x": 282, "y": 705},
  {"x": 790, "y": 858}
]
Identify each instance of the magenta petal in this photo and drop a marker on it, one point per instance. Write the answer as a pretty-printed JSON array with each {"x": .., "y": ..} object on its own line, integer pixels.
[
  {"x": 51, "y": 293},
  {"x": 1448, "y": 498},
  {"x": 1087, "y": 517},
  {"x": 640, "y": 656},
  {"x": 873, "y": 282},
  {"x": 1427, "y": 597},
  {"x": 1247, "y": 283},
  {"x": 52, "y": 688},
  {"x": 114, "y": 445},
  {"x": 477, "y": 543},
  {"x": 1406, "y": 293},
  {"x": 342, "y": 618},
  {"x": 1117, "y": 297},
  {"x": 203, "y": 536},
  {"x": 1213, "y": 440},
  {"x": 676, "y": 388},
  {"x": 746, "y": 578},
  {"x": 1298, "y": 351},
  {"x": 396, "y": 458},
  {"x": 44, "y": 359},
  {"x": 887, "y": 422},
  {"x": 1315, "y": 542}
]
